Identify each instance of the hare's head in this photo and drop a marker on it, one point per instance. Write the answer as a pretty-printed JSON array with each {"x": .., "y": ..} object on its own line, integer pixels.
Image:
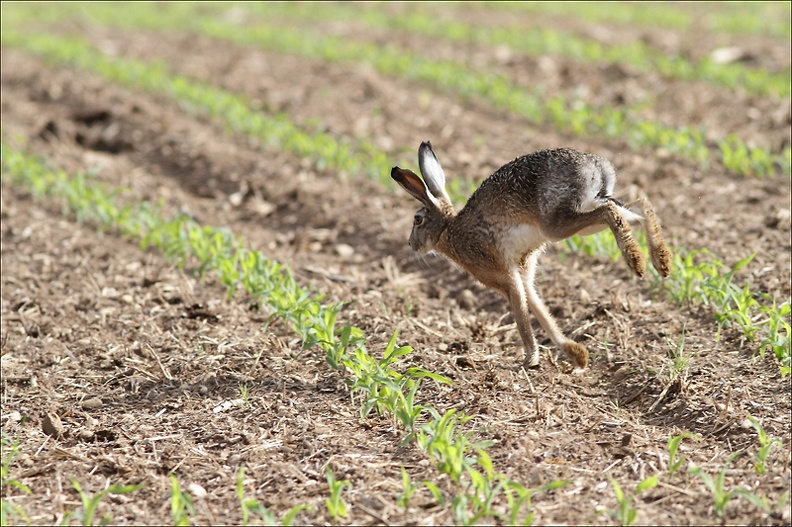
[{"x": 432, "y": 219}]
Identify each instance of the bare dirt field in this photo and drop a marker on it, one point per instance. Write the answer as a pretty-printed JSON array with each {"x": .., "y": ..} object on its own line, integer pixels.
[{"x": 116, "y": 362}]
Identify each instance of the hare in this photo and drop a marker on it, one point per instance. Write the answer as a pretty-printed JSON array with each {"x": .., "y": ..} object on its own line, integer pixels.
[{"x": 497, "y": 237}]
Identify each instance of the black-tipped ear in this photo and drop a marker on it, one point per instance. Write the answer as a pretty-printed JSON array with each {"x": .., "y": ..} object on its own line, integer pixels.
[{"x": 410, "y": 182}]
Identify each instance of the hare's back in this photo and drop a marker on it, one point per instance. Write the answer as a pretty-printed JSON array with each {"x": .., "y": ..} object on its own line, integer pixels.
[{"x": 543, "y": 182}]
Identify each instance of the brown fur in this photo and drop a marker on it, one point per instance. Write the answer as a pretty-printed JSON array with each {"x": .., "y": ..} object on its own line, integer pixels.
[{"x": 499, "y": 234}]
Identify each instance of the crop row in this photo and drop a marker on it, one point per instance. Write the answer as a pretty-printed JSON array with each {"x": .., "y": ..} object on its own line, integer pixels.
[
  {"x": 374, "y": 383},
  {"x": 761, "y": 18},
  {"x": 434, "y": 20},
  {"x": 696, "y": 276},
  {"x": 542, "y": 41},
  {"x": 483, "y": 493},
  {"x": 575, "y": 117}
]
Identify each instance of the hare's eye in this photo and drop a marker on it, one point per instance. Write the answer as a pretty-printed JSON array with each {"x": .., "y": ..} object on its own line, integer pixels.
[{"x": 418, "y": 219}]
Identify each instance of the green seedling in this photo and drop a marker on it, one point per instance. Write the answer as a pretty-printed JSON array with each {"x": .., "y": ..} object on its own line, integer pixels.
[
  {"x": 477, "y": 502},
  {"x": 674, "y": 462},
  {"x": 679, "y": 359},
  {"x": 436, "y": 493},
  {"x": 10, "y": 450},
  {"x": 720, "y": 495},
  {"x": 181, "y": 504},
  {"x": 626, "y": 513},
  {"x": 765, "y": 445},
  {"x": 251, "y": 506},
  {"x": 7, "y": 509},
  {"x": 336, "y": 505},
  {"x": 244, "y": 394},
  {"x": 519, "y": 497},
  {"x": 444, "y": 445},
  {"x": 760, "y": 501},
  {"x": 408, "y": 489},
  {"x": 712, "y": 283},
  {"x": 91, "y": 502},
  {"x": 777, "y": 332}
]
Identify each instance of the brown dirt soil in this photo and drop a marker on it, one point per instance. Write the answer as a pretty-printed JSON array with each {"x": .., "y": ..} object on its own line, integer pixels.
[{"x": 135, "y": 356}]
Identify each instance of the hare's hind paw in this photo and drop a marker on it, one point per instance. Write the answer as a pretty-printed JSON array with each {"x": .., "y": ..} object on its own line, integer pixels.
[
  {"x": 635, "y": 258},
  {"x": 576, "y": 353},
  {"x": 661, "y": 260}
]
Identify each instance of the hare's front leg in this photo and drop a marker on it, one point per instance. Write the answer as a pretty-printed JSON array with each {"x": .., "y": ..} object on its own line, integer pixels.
[
  {"x": 576, "y": 353},
  {"x": 518, "y": 301}
]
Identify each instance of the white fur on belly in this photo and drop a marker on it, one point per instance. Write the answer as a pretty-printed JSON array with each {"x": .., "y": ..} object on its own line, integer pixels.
[{"x": 516, "y": 242}]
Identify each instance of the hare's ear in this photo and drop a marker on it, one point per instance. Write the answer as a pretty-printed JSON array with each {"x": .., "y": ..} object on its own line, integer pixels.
[
  {"x": 432, "y": 172},
  {"x": 410, "y": 182}
]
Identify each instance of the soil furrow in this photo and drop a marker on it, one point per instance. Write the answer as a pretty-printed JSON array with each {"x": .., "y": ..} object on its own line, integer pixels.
[
  {"x": 367, "y": 106},
  {"x": 694, "y": 43},
  {"x": 652, "y": 96},
  {"x": 267, "y": 233},
  {"x": 91, "y": 316}
]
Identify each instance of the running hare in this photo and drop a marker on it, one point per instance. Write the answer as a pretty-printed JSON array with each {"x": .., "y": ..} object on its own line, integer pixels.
[{"x": 538, "y": 198}]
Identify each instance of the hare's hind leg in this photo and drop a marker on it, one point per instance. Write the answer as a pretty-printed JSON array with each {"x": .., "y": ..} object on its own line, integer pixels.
[
  {"x": 576, "y": 353},
  {"x": 611, "y": 214},
  {"x": 658, "y": 251}
]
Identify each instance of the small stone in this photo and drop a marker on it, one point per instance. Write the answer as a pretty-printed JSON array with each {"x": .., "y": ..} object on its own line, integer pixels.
[
  {"x": 585, "y": 297},
  {"x": 203, "y": 390},
  {"x": 92, "y": 403},
  {"x": 15, "y": 416},
  {"x": 52, "y": 426},
  {"x": 110, "y": 292},
  {"x": 344, "y": 250},
  {"x": 728, "y": 55},
  {"x": 503, "y": 54},
  {"x": 196, "y": 490},
  {"x": 85, "y": 435}
]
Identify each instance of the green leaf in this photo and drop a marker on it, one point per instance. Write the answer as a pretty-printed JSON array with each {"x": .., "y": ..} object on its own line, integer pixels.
[
  {"x": 648, "y": 483},
  {"x": 291, "y": 514},
  {"x": 438, "y": 496}
]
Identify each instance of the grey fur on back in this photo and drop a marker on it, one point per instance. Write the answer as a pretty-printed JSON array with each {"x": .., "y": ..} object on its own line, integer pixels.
[{"x": 548, "y": 184}]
